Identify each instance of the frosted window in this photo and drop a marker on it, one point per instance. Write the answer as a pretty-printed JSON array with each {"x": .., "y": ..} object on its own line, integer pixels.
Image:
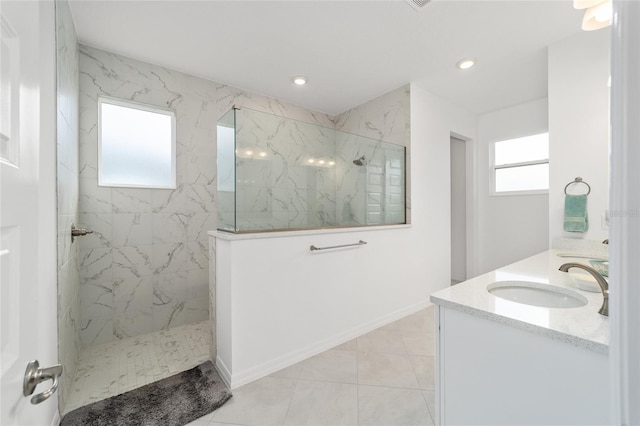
[
  {"x": 524, "y": 178},
  {"x": 521, "y": 164},
  {"x": 529, "y": 148},
  {"x": 136, "y": 146}
]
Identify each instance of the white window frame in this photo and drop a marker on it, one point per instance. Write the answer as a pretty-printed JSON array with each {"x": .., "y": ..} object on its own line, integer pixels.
[
  {"x": 142, "y": 107},
  {"x": 493, "y": 168}
]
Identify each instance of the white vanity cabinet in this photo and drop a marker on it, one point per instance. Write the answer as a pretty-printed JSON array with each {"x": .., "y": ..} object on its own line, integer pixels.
[
  {"x": 497, "y": 364},
  {"x": 494, "y": 374}
]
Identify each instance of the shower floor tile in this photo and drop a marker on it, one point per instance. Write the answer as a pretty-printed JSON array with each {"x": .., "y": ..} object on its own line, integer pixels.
[{"x": 112, "y": 368}]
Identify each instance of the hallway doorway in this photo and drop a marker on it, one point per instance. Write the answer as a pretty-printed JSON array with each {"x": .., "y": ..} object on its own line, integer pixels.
[{"x": 458, "y": 210}]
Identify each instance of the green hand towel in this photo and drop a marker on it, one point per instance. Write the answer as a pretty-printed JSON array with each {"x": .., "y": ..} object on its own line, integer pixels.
[{"x": 575, "y": 213}]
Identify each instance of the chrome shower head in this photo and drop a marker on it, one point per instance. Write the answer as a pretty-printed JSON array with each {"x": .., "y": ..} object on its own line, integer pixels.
[{"x": 359, "y": 161}]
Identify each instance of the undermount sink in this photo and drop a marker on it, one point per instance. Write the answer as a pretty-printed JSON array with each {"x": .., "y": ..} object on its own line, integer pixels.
[{"x": 537, "y": 294}]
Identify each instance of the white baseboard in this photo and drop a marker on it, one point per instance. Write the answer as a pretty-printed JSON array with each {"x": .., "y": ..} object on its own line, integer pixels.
[
  {"x": 225, "y": 374},
  {"x": 56, "y": 419},
  {"x": 235, "y": 380}
]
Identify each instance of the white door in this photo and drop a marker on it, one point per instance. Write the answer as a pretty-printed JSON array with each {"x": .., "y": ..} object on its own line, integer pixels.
[{"x": 28, "y": 329}]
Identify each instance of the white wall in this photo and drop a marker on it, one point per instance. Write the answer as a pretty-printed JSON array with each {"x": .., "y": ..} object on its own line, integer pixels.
[
  {"x": 579, "y": 126},
  {"x": 433, "y": 120},
  {"x": 509, "y": 227},
  {"x": 624, "y": 349}
]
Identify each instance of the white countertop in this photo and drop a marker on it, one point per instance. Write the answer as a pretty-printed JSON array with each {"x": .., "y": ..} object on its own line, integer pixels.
[{"x": 582, "y": 326}]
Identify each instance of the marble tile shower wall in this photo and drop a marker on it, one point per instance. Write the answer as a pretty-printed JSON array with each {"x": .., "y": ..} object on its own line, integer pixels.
[
  {"x": 354, "y": 205},
  {"x": 145, "y": 268},
  {"x": 69, "y": 344},
  {"x": 387, "y": 118}
]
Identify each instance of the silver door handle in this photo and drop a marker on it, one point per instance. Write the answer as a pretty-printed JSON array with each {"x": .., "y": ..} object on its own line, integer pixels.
[{"x": 34, "y": 375}]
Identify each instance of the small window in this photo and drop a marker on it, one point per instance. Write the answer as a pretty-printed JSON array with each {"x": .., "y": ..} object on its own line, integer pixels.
[
  {"x": 136, "y": 145},
  {"x": 521, "y": 165}
]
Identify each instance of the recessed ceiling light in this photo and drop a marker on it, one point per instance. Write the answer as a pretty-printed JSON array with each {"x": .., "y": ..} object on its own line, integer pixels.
[
  {"x": 311, "y": 161},
  {"x": 466, "y": 63},
  {"x": 299, "y": 80}
]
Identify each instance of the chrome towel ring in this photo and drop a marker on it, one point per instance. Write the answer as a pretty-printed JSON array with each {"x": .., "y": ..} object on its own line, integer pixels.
[{"x": 578, "y": 180}]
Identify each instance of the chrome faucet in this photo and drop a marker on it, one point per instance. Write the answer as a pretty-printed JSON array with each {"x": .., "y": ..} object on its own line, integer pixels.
[{"x": 604, "y": 286}]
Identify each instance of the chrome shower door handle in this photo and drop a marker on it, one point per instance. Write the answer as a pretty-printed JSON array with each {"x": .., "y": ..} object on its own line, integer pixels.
[{"x": 34, "y": 375}]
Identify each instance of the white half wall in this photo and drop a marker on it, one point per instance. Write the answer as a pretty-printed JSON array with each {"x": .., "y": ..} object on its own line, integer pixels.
[
  {"x": 279, "y": 303},
  {"x": 579, "y": 126},
  {"x": 510, "y": 227}
]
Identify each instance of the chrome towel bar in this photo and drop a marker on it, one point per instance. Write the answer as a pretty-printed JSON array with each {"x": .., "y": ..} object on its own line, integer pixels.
[{"x": 359, "y": 243}]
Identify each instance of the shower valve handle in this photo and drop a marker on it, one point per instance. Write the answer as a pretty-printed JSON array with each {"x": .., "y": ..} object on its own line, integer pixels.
[{"x": 78, "y": 232}]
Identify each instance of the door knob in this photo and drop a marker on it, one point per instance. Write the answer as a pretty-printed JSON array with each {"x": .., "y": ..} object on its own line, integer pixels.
[
  {"x": 34, "y": 375},
  {"x": 78, "y": 232}
]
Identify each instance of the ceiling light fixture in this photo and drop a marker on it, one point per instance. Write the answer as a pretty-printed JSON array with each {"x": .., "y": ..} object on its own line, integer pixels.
[
  {"x": 466, "y": 63},
  {"x": 300, "y": 80},
  {"x": 598, "y": 14}
]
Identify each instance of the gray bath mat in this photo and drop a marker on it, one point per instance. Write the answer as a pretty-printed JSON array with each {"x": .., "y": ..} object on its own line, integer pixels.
[{"x": 174, "y": 401}]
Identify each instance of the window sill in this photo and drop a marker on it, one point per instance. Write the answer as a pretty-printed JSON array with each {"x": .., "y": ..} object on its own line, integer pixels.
[{"x": 515, "y": 193}]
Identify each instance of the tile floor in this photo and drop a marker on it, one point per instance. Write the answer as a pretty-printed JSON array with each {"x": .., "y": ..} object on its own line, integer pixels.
[
  {"x": 385, "y": 377},
  {"x": 112, "y": 368}
]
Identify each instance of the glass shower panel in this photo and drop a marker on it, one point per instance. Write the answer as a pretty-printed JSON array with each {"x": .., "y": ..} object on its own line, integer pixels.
[
  {"x": 370, "y": 183},
  {"x": 226, "y": 173},
  {"x": 283, "y": 174},
  {"x": 394, "y": 175}
]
